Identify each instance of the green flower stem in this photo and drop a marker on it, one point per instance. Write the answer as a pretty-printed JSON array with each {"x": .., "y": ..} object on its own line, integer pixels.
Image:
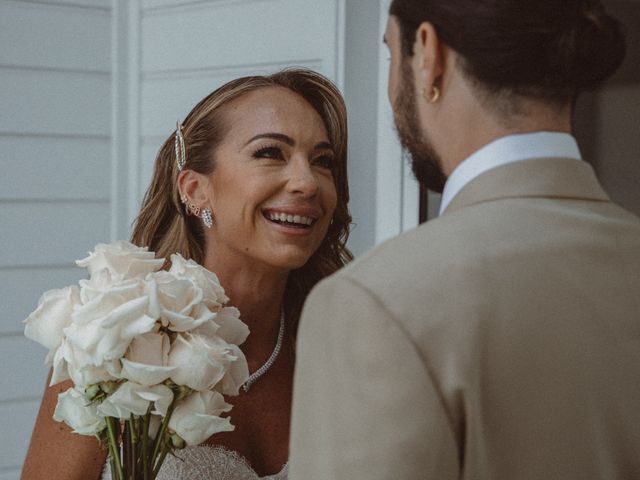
[
  {"x": 133, "y": 451},
  {"x": 114, "y": 447},
  {"x": 145, "y": 445},
  {"x": 126, "y": 451},
  {"x": 160, "y": 436}
]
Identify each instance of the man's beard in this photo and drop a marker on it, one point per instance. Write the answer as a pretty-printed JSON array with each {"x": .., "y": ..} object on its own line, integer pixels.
[{"x": 425, "y": 161}]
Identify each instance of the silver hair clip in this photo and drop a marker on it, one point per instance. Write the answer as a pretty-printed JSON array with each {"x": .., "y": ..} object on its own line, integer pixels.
[{"x": 181, "y": 157}]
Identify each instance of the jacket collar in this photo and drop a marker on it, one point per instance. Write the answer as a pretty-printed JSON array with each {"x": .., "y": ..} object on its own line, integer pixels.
[{"x": 541, "y": 177}]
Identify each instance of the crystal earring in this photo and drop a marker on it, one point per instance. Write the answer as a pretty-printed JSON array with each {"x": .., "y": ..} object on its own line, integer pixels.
[
  {"x": 206, "y": 218},
  {"x": 193, "y": 209}
]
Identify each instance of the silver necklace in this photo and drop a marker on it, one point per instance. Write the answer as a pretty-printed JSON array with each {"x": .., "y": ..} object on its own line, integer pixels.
[{"x": 255, "y": 376}]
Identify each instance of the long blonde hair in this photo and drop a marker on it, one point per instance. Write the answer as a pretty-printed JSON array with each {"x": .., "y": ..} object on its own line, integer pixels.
[{"x": 163, "y": 225}]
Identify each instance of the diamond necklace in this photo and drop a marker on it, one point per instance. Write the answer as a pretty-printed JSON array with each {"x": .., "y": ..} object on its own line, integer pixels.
[{"x": 255, "y": 376}]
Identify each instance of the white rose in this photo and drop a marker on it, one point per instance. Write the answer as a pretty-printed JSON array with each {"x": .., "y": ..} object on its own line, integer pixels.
[
  {"x": 237, "y": 373},
  {"x": 214, "y": 296},
  {"x": 103, "y": 328},
  {"x": 122, "y": 260},
  {"x": 99, "y": 283},
  {"x": 146, "y": 359},
  {"x": 91, "y": 375},
  {"x": 60, "y": 371},
  {"x": 200, "y": 362},
  {"x": 54, "y": 311},
  {"x": 73, "y": 410},
  {"x": 176, "y": 301},
  {"x": 134, "y": 399},
  {"x": 196, "y": 418},
  {"x": 231, "y": 328}
]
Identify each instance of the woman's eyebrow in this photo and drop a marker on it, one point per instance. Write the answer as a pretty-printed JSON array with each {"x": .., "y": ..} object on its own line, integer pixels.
[
  {"x": 274, "y": 136},
  {"x": 323, "y": 146},
  {"x": 288, "y": 140}
]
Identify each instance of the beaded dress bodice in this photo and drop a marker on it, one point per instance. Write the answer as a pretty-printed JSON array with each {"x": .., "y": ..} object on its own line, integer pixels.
[{"x": 207, "y": 462}]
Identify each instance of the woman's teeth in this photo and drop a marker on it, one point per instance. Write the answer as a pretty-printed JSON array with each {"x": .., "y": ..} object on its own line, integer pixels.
[{"x": 293, "y": 219}]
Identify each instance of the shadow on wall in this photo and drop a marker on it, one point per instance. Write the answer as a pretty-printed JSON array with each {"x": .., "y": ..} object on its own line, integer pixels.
[{"x": 607, "y": 121}]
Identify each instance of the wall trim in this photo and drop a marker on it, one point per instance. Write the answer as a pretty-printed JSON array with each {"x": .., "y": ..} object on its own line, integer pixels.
[{"x": 125, "y": 116}]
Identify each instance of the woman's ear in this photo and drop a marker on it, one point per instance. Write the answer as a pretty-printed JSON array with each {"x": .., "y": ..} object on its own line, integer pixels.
[{"x": 194, "y": 188}]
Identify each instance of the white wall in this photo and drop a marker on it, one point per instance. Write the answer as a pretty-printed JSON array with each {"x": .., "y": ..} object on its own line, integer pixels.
[{"x": 54, "y": 159}]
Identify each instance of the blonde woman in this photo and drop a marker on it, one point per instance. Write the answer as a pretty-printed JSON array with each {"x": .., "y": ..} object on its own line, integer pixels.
[{"x": 253, "y": 186}]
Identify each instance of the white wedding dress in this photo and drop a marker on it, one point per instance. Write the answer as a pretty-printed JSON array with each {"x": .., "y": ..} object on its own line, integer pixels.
[{"x": 205, "y": 462}]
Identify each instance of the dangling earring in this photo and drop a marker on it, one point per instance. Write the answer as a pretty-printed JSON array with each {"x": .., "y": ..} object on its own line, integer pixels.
[
  {"x": 192, "y": 208},
  {"x": 433, "y": 95},
  {"x": 206, "y": 218}
]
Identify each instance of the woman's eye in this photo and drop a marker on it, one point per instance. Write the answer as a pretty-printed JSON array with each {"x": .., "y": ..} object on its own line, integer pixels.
[
  {"x": 324, "y": 161},
  {"x": 269, "y": 152}
]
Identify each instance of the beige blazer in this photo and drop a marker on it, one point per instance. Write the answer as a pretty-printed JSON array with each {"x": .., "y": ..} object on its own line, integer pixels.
[{"x": 499, "y": 341}]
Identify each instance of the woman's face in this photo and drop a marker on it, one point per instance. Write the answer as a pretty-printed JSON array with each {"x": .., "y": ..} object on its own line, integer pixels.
[{"x": 272, "y": 192}]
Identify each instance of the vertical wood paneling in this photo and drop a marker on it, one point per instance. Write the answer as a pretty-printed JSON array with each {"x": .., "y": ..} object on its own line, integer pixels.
[
  {"x": 55, "y": 64},
  {"x": 389, "y": 172},
  {"x": 51, "y": 166},
  {"x": 56, "y": 37},
  {"x": 51, "y": 232},
  {"x": 214, "y": 36},
  {"x": 91, "y": 4},
  {"x": 54, "y": 103},
  {"x": 22, "y": 368},
  {"x": 16, "y": 423}
]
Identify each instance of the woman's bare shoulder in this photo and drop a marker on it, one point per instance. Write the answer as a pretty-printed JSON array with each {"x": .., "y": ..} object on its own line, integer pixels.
[{"x": 55, "y": 452}]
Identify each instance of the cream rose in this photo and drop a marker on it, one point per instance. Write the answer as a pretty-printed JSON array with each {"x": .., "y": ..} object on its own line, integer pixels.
[
  {"x": 176, "y": 301},
  {"x": 103, "y": 328},
  {"x": 134, "y": 399},
  {"x": 236, "y": 375},
  {"x": 197, "y": 417},
  {"x": 74, "y": 410},
  {"x": 213, "y": 293},
  {"x": 200, "y": 362},
  {"x": 54, "y": 311},
  {"x": 121, "y": 260}
]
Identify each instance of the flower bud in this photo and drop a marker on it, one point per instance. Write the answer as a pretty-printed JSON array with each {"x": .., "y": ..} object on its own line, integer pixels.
[
  {"x": 91, "y": 392},
  {"x": 109, "y": 387},
  {"x": 177, "y": 441}
]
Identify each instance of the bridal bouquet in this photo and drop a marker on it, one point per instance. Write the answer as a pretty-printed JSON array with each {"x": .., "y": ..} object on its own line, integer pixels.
[{"x": 150, "y": 353}]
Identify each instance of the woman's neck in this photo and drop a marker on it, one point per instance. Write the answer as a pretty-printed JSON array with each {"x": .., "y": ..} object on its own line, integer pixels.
[{"x": 258, "y": 293}]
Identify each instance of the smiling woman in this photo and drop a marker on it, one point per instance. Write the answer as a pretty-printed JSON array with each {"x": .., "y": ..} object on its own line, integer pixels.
[{"x": 253, "y": 186}]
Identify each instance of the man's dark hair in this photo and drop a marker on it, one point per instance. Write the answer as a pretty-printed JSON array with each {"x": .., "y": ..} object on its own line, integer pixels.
[{"x": 546, "y": 49}]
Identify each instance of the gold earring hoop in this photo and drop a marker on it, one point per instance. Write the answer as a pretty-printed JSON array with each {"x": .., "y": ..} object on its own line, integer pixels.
[{"x": 433, "y": 95}]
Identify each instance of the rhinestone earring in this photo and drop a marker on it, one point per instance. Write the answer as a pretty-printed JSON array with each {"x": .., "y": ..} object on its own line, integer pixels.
[
  {"x": 193, "y": 209},
  {"x": 206, "y": 218}
]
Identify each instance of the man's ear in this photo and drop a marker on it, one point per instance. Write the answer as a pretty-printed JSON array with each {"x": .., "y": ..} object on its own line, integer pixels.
[
  {"x": 428, "y": 57},
  {"x": 194, "y": 187}
]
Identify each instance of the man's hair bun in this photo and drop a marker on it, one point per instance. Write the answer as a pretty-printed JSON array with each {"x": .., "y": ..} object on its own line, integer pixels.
[{"x": 591, "y": 51}]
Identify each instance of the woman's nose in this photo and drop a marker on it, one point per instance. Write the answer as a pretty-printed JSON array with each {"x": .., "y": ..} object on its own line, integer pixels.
[{"x": 302, "y": 179}]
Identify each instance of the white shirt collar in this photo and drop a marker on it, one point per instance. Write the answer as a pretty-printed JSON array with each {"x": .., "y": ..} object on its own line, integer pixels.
[{"x": 504, "y": 150}]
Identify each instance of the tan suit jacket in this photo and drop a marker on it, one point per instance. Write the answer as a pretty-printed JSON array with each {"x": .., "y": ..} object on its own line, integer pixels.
[{"x": 499, "y": 341}]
